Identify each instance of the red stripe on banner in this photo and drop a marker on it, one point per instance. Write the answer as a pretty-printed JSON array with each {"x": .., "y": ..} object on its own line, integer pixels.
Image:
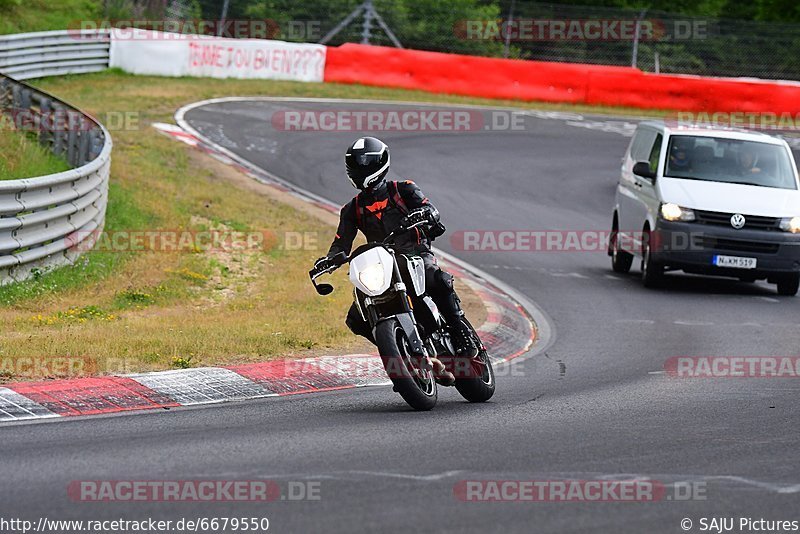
[
  {"x": 91, "y": 396},
  {"x": 542, "y": 81}
]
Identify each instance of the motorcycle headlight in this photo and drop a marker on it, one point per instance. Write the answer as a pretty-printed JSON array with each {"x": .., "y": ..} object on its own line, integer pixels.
[
  {"x": 673, "y": 212},
  {"x": 372, "y": 277},
  {"x": 791, "y": 224}
]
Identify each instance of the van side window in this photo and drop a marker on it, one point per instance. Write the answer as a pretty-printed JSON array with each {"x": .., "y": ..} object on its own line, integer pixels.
[
  {"x": 655, "y": 153},
  {"x": 642, "y": 143}
]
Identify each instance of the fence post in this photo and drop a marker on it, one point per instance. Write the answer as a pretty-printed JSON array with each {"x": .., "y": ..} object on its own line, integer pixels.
[
  {"x": 367, "y": 31},
  {"x": 510, "y": 20},
  {"x": 636, "y": 36}
]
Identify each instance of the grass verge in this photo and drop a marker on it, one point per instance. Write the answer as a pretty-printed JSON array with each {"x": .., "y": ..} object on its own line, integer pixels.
[
  {"x": 21, "y": 156},
  {"x": 22, "y": 16}
]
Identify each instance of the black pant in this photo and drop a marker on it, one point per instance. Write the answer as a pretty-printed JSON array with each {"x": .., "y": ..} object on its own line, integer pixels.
[{"x": 438, "y": 284}]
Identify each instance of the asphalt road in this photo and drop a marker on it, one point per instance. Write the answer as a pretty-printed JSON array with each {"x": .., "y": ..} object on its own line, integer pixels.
[{"x": 595, "y": 404}]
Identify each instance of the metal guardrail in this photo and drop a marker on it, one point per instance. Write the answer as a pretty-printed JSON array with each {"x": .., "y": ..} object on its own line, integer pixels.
[
  {"x": 56, "y": 53},
  {"x": 48, "y": 221}
]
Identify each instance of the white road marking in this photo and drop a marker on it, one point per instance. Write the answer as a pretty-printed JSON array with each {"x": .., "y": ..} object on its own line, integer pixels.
[
  {"x": 625, "y": 129},
  {"x": 425, "y": 478},
  {"x": 635, "y": 321},
  {"x": 673, "y": 479},
  {"x": 569, "y": 275}
]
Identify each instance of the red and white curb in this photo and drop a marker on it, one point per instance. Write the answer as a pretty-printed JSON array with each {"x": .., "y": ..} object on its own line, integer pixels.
[
  {"x": 508, "y": 330},
  {"x": 512, "y": 326}
]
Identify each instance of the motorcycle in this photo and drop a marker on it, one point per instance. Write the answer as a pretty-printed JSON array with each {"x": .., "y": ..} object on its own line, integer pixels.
[{"x": 411, "y": 335}]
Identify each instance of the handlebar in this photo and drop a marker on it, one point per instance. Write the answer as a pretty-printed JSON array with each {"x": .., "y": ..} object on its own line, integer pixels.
[
  {"x": 341, "y": 258},
  {"x": 336, "y": 261}
]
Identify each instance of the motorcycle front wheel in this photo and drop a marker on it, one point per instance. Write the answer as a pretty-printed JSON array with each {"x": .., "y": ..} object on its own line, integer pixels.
[
  {"x": 475, "y": 378},
  {"x": 410, "y": 374}
]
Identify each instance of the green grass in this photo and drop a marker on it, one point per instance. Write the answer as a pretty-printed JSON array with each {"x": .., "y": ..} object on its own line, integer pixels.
[
  {"x": 21, "y": 156},
  {"x": 22, "y": 16}
]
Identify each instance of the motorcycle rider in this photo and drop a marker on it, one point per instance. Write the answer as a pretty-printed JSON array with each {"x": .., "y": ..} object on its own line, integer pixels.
[{"x": 381, "y": 207}]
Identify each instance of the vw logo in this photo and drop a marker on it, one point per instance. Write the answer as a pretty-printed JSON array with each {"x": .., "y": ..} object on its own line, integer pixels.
[{"x": 737, "y": 220}]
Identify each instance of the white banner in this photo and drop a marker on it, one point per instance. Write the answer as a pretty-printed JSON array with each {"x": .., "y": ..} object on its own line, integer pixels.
[{"x": 171, "y": 54}]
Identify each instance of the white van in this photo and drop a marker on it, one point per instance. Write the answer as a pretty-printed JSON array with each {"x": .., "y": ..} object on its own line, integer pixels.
[{"x": 708, "y": 201}]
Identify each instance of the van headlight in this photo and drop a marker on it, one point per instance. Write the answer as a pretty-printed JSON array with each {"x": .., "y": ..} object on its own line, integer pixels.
[
  {"x": 791, "y": 224},
  {"x": 673, "y": 212},
  {"x": 372, "y": 277}
]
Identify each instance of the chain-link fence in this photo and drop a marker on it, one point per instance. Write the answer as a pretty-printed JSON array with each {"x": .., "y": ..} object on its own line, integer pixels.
[
  {"x": 667, "y": 43},
  {"x": 654, "y": 41}
]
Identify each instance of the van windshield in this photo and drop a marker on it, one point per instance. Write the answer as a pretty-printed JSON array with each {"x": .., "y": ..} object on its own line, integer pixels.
[{"x": 716, "y": 159}]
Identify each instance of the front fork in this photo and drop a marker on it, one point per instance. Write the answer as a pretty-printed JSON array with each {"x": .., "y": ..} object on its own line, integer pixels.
[{"x": 404, "y": 316}]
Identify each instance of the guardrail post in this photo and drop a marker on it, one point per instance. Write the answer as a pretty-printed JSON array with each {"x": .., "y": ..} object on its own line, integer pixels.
[
  {"x": 25, "y": 99},
  {"x": 83, "y": 142},
  {"x": 72, "y": 139},
  {"x": 16, "y": 99},
  {"x": 59, "y": 135},
  {"x": 46, "y": 124}
]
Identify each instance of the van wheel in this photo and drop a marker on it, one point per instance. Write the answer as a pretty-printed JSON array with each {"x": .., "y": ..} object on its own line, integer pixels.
[
  {"x": 621, "y": 261},
  {"x": 788, "y": 285},
  {"x": 652, "y": 271}
]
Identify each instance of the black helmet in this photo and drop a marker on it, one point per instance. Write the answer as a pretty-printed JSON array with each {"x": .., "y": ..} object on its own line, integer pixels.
[{"x": 367, "y": 162}]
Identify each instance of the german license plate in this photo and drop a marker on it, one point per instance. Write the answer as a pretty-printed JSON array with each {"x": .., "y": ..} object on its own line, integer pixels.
[{"x": 736, "y": 262}]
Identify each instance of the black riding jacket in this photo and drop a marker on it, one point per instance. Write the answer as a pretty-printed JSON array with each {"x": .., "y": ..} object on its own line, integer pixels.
[{"x": 377, "y": 212}]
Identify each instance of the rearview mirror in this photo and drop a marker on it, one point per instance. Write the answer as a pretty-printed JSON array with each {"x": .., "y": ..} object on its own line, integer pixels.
[{"x": 642, "y": 168}]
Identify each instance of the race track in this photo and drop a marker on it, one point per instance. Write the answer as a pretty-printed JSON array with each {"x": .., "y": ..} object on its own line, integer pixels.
[{"x": 595, "y": 404}]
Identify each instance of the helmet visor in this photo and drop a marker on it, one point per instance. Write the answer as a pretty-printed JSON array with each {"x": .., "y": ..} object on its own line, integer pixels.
[{"x": 369, "y": 160}]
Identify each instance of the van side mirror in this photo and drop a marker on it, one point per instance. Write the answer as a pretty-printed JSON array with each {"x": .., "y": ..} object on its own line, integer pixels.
[{"x": 642, "y": 168}]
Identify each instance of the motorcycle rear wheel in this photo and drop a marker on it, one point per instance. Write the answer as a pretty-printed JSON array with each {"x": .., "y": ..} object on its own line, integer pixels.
[{"x": 475, "y": 379}]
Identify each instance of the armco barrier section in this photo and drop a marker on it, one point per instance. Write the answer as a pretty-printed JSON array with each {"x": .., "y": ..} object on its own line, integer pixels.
[
  {"x": 48, "y": 221},
  {"x": 35, "y": 55},
  {"x": 553, "y": 82}
]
